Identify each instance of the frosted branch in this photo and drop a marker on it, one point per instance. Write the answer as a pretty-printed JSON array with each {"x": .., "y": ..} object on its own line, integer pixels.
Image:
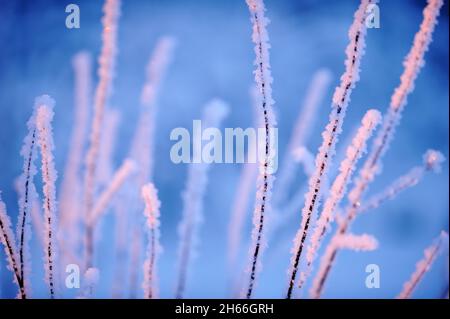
[
  {"x": 302, "y": 130},
  {"x": 9, "y": 243},
  {"x": 119, "y": 177},
  {"x": 143, "y": 142},
  {"x": 341, "y": 99},
  {"x": 27, "y": 194},
  {"x": 338, "y": 189},
  {"x": 156, "y": 69},
  {"x": 151, "y": 212},
  {"x": 106, "y": 61},
  {"x": 344, "y": 241},
  {"x": 372, "y": 165},
  {"x": 413, "y": 63},
  {"x": 424, "y": 265},
  {"x": 356, "y": 242},
  {"x": 431, "y": 163},
  {"x": 45, "y": 140},
  {"x": 197, "y": 180},
  {"x": 263, "y": 79},
  {"x": 71, "y": 187},
  {"x": 110, "y": 125}
]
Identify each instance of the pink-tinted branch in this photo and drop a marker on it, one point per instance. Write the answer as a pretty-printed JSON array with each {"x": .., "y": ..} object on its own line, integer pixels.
[
  {"x": 341, "y": 99},
  {"x": 45, "y": 141},
  {"x": 339, "y": 187},
  {"x": 423, "y": 266},
  {"x": 106, "y": 61},
  {"x": 263, "y": 79},
  {"x": 151, "y": 212}
]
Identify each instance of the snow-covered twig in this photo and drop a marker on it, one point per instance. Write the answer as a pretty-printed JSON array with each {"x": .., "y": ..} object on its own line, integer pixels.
[
  {"x": 339, "y": 187},
  {"x": 197, "y": 180},
  {"x": 156, "y": 70},
  {"x": 341, "y": 99},
  {"x": 143, "y": 142},
  {"x": 344, "y": 241},
  {"x": 106, "y": 61},
  {"x": 424, "y": 265},
  {"x": 372, "y": 166},
  {"x": 356, "y": 242},
  {"x": 142, "y": 148},
  {"x": 432, "y": 161},
  {"x": 301, "y": 132},
  {"x": 151, "y": 212},
  {"x": 105, "y": 197},
  {"x": 110, "y": 128},
  {"x": 413, "y": 63},
  {"x": 70, "y": 200},
  {"x": 45, "y": 141},
  {"x": 9, "y": 243},
  {"x": 263, "y": 79},
  {"x": 27, "y": 194}
]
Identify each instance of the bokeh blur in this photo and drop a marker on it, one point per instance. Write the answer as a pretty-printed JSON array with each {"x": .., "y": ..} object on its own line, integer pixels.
[{"x": 214, "y": 58}]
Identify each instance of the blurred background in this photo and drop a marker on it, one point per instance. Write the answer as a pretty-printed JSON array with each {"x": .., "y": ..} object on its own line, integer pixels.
[{"x": 214, "y": 58}]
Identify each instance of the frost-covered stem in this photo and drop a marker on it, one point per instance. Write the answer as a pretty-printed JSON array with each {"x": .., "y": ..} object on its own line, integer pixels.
[
  {"x": 341, "y": 99},
  {"x": 105, "y": 163},
  {"x": 301, "y": 132},
  {"x": 338, "y": 189},
  {"x": 263, "y": 79},
  {"x": 27, "y": 194},
  {"x": 71, "y": 189},
  {"x": 106, "y": 61},
  {"x": 142, "y": 148},
  {"x": 156, "y": 70},
  {"x": 45, "y": 141},
  {"x": 431, "y": 159},
  {"x": 117, "y": 181},
  {"x": 413, "y": 63},
  {"x": 151, "y": 212},
  {"x": 25, "y": 200},
  {"x": 8, "y": 241},
  {"x": 423, "y": 266},
  {"x": 356, "y": 242},
  {"x": 340, "y": 241},
  {"x": 431, "y": 162},
  {"x": 372, "y": 166},
  {"x": 193, "y": 195}
]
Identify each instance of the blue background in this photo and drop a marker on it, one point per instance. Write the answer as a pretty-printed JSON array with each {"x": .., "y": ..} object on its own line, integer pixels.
[{"x": 213, "y": 58}]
